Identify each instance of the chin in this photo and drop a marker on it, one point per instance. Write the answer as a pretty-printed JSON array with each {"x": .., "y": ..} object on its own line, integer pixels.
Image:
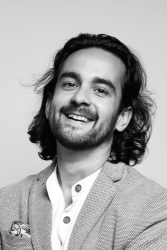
[{"x": 79, "y": 139}]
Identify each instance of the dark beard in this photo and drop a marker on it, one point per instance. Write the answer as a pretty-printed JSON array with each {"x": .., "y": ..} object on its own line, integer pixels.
[
  {"x": 74, "y": 141},
  {"x": 69, "y": 138}
]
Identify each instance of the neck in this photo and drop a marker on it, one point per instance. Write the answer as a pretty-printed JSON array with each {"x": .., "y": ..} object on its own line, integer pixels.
[{"x": 74, "y": 165}]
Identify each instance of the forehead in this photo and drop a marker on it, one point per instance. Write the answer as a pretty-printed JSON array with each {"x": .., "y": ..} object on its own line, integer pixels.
[{"x": 95, "y": 62}]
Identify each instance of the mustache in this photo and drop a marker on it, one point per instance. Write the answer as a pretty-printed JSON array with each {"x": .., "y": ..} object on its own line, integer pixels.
[{"x": 82, "y": 111}]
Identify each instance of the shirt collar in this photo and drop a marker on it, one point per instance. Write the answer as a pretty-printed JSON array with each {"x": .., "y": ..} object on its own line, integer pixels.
[{"x": 53, "y": 187}]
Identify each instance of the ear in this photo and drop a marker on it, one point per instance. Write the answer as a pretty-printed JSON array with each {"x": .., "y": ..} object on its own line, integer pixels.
[
  {"x": 123, "y": 119},
  {"x": 47, "y": 108}
]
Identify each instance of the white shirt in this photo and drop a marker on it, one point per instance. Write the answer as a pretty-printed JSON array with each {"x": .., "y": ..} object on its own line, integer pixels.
[{"x": 63, "y": 219}]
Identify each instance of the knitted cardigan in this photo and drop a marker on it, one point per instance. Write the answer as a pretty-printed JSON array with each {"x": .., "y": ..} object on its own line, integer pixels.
[{"x": 123, "y": 211}]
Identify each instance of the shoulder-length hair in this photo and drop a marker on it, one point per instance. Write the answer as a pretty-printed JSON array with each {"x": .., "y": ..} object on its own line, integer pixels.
[{"x": 129, "y": 145}]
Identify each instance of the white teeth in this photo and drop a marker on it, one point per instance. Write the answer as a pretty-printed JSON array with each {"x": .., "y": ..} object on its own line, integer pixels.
[{"x": 77, "y": 117}]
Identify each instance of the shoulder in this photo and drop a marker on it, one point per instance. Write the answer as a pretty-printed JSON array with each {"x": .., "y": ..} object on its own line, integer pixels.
[
  {"x": 14, "y": 199},
  {"x": 128, "y": 180},
  {"x": 139, "y": 208},
  {"x": 135, "y": 193},
  {"x": 140, "y": 198},
  {"x": 16, "y": 192},
  {"x": 135, "y": 182},
  {"x": 138, "y": 188}
]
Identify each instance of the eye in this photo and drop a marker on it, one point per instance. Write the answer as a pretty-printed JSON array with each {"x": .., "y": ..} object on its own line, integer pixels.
[
  {"x": 69, "y": 85},
  {"x": 101, "y": 92}
]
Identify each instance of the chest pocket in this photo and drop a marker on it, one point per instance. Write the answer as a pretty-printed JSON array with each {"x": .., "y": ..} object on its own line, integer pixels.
[{"x": 11, "y": 242}]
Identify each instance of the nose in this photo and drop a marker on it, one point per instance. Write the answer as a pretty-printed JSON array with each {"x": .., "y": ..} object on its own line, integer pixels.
[{"x": 81, "y": 96}]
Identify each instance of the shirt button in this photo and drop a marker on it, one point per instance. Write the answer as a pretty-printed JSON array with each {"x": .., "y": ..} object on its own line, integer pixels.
[
  {"x": 66, "y": 219},
  {"x": 78, "y": 188}
]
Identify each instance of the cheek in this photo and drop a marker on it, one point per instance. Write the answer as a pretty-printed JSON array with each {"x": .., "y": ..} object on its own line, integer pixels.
[
  {"x": 57, "y": 101},
  {"x": 104, "y": 108},
  {"x": 107, "y": 112},
  {"x": 61, "y": 98}
]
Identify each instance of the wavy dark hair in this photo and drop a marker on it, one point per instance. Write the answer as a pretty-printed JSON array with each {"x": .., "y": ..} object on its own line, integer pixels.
[{"x": 128, "y": 146}]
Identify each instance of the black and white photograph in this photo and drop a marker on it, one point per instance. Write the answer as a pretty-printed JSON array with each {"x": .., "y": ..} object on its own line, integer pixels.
[{"x": 83, "y": 125}]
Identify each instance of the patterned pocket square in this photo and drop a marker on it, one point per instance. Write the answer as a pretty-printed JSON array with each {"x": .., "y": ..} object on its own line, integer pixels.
[{"x": 19, "y": 229}]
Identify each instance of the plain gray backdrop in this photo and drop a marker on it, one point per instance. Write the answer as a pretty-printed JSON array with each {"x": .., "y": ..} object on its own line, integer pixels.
[{"x": 32, "y": 31}]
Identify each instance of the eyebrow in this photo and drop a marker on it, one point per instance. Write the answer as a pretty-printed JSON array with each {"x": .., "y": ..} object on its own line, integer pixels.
[{"x": 74, "y": 75}]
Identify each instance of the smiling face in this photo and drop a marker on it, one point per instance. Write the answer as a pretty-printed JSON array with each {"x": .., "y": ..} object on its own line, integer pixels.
[{"x": 84, "y": 109}]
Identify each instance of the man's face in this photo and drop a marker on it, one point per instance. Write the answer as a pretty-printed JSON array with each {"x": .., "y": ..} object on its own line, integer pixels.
[{"x": 83, "y": 112}]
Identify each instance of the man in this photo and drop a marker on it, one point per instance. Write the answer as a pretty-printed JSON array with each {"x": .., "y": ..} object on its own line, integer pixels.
[{"x": 94, "y": 124}]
